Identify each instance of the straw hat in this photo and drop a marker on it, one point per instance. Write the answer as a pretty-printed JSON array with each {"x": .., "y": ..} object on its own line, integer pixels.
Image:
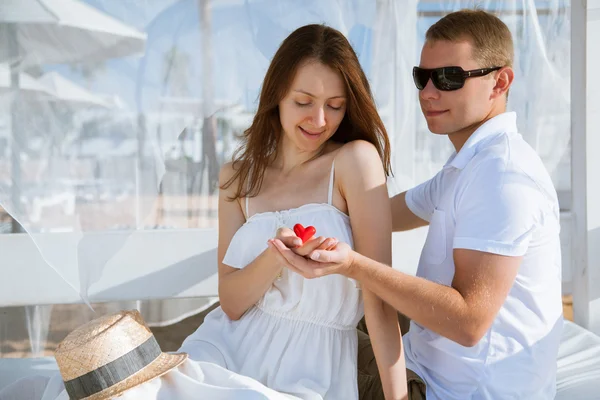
[{"x": 110, "y": 355}]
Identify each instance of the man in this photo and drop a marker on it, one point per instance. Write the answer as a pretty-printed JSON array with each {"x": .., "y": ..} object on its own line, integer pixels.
[{"x": 485, "y": 306}]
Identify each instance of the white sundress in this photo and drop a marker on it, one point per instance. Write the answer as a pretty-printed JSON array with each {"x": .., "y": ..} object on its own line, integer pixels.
[{"x": 300, "y": 338}]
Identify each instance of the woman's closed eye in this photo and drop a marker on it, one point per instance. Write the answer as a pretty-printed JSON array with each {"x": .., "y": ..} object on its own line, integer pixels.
[{"x": 299, "y": 104}]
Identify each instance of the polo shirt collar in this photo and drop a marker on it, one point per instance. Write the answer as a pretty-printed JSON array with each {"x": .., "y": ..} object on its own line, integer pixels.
[{"x": 505, "y": 122}]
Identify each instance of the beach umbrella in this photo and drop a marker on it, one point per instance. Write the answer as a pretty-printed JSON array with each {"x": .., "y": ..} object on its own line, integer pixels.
[{"x": 36, "y": 32}]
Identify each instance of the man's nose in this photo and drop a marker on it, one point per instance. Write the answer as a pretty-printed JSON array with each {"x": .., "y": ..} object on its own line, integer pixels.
[{"x": 429, "y": 92}]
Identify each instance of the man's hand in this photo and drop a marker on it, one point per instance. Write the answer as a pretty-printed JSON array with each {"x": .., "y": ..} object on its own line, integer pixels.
[{"x": 336, "y": 260}]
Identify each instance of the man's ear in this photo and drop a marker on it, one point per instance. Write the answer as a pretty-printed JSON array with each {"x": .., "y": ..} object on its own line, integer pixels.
[{"x": 504, "y": 79}]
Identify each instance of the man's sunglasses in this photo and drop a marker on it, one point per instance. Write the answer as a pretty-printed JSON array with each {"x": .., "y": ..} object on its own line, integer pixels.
[{"x": 447, "y": 78}]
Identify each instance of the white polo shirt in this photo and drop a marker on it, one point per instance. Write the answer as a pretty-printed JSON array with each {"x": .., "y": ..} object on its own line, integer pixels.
[{"x": 493, "y": 196}]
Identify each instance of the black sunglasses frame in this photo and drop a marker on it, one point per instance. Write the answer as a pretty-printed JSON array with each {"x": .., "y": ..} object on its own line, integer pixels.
[{"x": 440, "y": 77}]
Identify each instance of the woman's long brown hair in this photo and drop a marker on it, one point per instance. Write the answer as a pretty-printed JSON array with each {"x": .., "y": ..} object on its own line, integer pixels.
[{"x": 361, "y": 121}]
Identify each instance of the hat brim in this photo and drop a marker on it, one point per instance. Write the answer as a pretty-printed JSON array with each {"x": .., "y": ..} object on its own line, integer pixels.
[{"x": 163, "y": 364}]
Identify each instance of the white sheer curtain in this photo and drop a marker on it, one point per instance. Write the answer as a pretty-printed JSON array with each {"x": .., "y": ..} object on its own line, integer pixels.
[{"x": 134, "y": 138}]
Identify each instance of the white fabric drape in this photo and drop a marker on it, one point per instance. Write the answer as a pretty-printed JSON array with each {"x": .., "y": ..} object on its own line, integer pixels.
[{"x": 136, "y": 143}]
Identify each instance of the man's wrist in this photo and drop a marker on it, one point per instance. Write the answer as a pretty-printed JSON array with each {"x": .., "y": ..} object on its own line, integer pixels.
[{"x": 353, "y": 268}]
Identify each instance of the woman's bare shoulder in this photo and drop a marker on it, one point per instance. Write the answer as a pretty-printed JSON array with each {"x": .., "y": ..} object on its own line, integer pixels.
[
  {"x": 228, "y": 180},
  {"x": 357, "y": 155},
  {"x": 227, "y": 172}
]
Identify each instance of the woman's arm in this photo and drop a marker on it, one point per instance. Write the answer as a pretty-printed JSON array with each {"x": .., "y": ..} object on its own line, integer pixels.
[
  {"x": 362, "y": 182},
  {"x": 240, "y": 289}
]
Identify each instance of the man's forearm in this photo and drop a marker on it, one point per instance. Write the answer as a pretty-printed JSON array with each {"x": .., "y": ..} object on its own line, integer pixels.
[{"x": 440, "y": 308}]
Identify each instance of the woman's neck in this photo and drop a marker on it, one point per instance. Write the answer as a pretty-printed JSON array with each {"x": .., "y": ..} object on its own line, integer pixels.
[{"x": 289, "y": 157}]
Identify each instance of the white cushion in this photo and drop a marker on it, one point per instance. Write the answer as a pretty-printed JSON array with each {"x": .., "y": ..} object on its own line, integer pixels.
[{"x": 578, "y": 364}]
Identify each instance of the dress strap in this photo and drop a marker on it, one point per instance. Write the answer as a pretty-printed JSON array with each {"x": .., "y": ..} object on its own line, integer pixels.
[
  {"x": 330, "y": 193},
  {"x": 247, "y": 214}
]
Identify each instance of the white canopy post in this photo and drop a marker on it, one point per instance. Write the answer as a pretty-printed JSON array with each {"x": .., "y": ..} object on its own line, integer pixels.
[{"x": 585, "y": 147}]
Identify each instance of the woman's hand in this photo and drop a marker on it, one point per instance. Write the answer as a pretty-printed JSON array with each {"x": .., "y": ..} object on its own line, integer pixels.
[{"x": 294, "y": 243}]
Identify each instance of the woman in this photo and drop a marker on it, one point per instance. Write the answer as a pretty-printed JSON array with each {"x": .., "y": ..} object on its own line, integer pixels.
[{"x": 316, "y": 154}]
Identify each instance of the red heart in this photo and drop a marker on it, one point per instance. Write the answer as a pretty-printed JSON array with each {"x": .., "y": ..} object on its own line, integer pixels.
[{"x": 304, "y": 233}]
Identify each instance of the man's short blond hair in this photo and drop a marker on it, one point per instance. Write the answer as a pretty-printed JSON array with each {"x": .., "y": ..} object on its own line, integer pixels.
[{"x": 490, "y": 37}]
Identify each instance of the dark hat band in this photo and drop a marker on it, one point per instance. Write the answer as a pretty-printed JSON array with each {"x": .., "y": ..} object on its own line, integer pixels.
[{"x": 114, "y": 372}]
